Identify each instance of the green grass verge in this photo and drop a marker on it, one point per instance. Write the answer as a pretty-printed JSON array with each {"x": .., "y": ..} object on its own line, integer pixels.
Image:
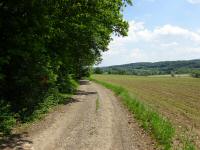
[{"x": 161, "y": 128}]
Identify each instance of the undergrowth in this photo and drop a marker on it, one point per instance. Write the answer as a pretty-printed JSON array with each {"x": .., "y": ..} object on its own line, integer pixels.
[
  {"x": 9, "y": 119},
  {"x": 151, "y": 121},
  {"x": 50, "y": 101}
]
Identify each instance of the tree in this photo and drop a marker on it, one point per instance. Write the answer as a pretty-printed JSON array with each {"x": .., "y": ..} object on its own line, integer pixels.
[
  {"x": 195, "y": 74},
  {"x": 98, "y": 70},
  {"x": 172, "y": 74},
  {"x": 46, "y": 45}
]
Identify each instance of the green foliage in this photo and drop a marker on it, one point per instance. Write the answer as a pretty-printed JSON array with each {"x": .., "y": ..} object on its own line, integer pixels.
[
  {"x": 47, "y": 44},
  {"x": 52, "y": 98},
  {"x": 188, "y": 145},
  {"x": 196, "y": 74},
  {"x": 160, "y": 127},
  {"x": 187, "y": 141},
  {"x": 6, "y": 117},
  {"x": 97, "y": 71},
  {"x": 67, "y": 85}
]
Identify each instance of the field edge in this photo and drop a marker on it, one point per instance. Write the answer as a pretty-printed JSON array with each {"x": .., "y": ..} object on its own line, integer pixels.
[{"x": 158, "y": 126}]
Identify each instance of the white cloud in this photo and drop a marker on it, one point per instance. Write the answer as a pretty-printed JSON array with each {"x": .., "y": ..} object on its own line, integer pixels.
[
  {"x": 167, "y": 42},
  {"x": 194, "y": 1}
]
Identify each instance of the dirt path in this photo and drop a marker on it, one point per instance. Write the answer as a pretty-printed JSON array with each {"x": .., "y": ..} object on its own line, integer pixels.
[{"x": 82, "y": 125}]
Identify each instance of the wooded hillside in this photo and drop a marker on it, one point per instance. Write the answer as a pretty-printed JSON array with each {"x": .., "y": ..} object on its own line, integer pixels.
[{"x": 157, "y": 68}]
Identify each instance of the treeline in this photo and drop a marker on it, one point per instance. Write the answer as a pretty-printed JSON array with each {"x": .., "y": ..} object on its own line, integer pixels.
[
  {"x": 195, "y": 73},
  {"x": 46, "y": 46},
  {"x": 158, "y": 68}
]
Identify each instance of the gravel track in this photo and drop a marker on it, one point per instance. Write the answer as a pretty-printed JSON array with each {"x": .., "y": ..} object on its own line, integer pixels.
[{"x": 81, "y": 125}]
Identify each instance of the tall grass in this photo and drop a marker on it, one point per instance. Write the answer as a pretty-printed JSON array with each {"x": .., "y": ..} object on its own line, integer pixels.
[{"x": 161, "y": 128}]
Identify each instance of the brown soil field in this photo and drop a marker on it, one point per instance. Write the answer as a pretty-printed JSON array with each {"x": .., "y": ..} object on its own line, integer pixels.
[{"x": 176, "y": 98}]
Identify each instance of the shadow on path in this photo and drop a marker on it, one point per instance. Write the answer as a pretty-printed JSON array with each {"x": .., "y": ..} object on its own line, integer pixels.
[
  {"x": 70, "y": 101},
  {"x": 21, "y": 141},
  {"x": 84, "y": 82},
  {"x": 15, "y": 141},
  {"x": 80, "y": 92}
]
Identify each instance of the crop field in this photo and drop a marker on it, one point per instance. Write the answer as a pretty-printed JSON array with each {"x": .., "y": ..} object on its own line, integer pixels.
[{"x": 176, "y": 98}]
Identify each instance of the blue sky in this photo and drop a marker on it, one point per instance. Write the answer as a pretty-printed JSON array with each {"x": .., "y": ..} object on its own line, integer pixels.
[{"x": 159, "y": 30}]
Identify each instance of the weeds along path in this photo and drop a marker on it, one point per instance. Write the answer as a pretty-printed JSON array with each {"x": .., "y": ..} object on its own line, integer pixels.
[{"x": 94, "y": 120}]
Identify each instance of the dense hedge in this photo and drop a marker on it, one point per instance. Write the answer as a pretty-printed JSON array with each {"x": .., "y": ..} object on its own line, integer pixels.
[{"x": 46, "y": 45}]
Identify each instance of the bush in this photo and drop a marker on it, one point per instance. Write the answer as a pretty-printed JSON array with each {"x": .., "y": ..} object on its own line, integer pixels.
[
  {"x": 196, "y": 74},
  {"x": 67, "y": 84},
  {"x": 98, "y": 71},
  {"x": 52, "y": 98},
  {"x": 6, "y": 117},
  {"x": 172, "y": 74}
]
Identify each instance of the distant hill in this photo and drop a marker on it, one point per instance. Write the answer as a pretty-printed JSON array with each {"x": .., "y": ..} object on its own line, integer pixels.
[{"x": 148, "y": 68}]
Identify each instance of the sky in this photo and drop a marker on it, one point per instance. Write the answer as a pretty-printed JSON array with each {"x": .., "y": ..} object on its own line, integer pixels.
[{"x": 158, "y": 31}]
